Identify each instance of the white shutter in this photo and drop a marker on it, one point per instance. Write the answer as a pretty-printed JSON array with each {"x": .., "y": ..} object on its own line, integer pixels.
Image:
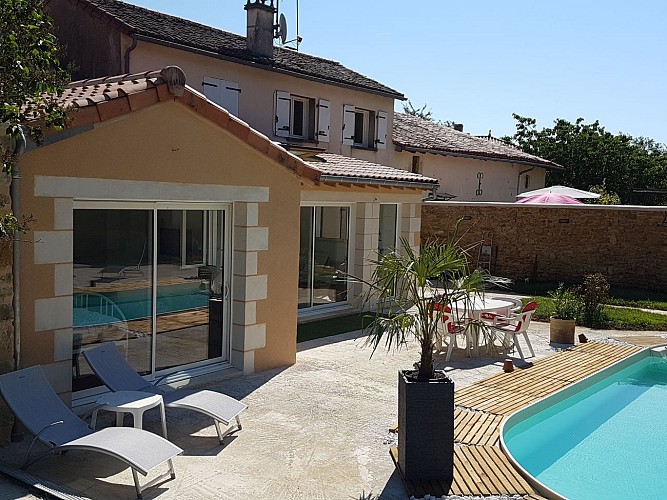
[
  {"x": 381, "y": 135},
  {"x": 230, "y": 97},
  {"x": 222, "y": 92},
  {"x": 323, "y": 120},
  {"x": 283, "y": 107},
  {"x": 348, "y": 124}
]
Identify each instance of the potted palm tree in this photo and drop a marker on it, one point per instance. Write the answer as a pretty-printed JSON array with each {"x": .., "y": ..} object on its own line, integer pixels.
[
  {"x": 563, "y": 322},
  {"x": 405, "y": 300}
]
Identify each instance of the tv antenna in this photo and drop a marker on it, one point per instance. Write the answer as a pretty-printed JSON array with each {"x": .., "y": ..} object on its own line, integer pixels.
[{"x": 281, "y": 28}]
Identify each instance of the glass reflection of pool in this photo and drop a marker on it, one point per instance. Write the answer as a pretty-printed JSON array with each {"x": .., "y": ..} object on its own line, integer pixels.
[
  {"x": 603, "y": 438},
  {"x": 136, "y": 304}
]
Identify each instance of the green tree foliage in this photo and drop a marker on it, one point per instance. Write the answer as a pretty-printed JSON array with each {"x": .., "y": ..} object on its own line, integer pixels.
[
  {"x": 425, "y": 114},
  {"x": 30, "y": 72},
  {"x": 594, "y": 157},
  {"x": 30, "y": 77}
]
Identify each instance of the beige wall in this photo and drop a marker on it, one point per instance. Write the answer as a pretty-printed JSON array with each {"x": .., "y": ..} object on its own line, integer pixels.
[
  {"x": 458, "y": 176},
  {"x": 258, "y": 86},
  {"x": 562, "y": 243},
  {"x": 162, "y": 153}
]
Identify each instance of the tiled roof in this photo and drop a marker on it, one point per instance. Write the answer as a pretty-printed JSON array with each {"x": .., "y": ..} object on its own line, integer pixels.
[
  {"x": 415, "y": 134},
  {"x": 134, "y": 19},
  {"x": 338, "y": 168},
  {"x": 100, "y": 99}
]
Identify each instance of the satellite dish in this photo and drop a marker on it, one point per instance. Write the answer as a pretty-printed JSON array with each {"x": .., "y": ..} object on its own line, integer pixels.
[{"x": 282, "y": 28}]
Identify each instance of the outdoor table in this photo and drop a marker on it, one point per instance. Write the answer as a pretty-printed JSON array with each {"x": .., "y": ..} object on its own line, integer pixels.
[
  {"x": 474, "y": 309},
  {"x": 134, "y": 402}
]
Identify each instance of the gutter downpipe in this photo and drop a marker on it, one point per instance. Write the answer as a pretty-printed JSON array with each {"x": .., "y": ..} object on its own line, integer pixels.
[
  {"x": 135, "y": 39},
  {"x": 14, "y": 193},
  {"x": 518, "y": 178}
]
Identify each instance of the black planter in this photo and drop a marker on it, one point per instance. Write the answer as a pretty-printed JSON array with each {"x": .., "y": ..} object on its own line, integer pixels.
[{"x": 426, "y": 428}]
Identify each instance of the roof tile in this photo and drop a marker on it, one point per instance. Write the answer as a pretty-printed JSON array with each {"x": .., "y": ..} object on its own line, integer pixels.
[
  {"x": 411, "y": 132},
  {"x": 337, "y": 166},
  {"x": 167, "y": 28}
]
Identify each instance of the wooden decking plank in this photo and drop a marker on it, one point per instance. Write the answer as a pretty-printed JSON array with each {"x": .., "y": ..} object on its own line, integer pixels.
[
  {"x": 471, "y": 474},
  {"x": 491, "y": 482},
  {"x": 503, "y": 463},
  {"x": 506, "y": 482}
]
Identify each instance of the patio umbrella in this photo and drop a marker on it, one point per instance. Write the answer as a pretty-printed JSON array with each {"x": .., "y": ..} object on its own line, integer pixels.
[
  {"x": 550, "y": 198},
  {"x": 564, "y": 190}
]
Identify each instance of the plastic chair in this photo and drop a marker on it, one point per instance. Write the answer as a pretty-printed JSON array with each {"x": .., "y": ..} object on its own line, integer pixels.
[
  {"x": 514, "y": 325},
  {"x": 448, "y": 327}
]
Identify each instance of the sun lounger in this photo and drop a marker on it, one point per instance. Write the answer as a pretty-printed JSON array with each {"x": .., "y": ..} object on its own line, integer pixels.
[
  {"x": 35, "y": 403},
  {"x": 114, "y": 372}
]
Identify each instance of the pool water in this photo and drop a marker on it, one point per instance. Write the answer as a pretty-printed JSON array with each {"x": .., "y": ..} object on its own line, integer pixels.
[
  {"x": 137, "y": 304},
  {"x": 607, "y": 441}
]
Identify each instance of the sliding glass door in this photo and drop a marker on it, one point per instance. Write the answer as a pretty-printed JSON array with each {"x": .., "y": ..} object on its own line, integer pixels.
[
  {"x": 324, "y": 250},
  {"x": 152, "y": 278}
]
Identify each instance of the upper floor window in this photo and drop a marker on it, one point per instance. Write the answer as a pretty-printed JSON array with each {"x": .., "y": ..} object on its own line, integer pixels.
[
  {"x": 303, "y": 118},
  {"x": 223, "y": 93},
  {"x": 364, "y": 128}
]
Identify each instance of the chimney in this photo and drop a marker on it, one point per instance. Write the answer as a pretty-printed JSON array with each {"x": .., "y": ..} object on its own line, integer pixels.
[
  {"x": 260, "y": 27},
  {"x": 458, "y": 126}
]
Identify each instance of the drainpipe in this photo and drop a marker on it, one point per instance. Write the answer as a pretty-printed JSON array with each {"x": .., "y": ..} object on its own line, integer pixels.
[
  {"x": 518, "y": 179},
  {"x": 127, "y": 52},
  {"x": 19, "y": 148}
]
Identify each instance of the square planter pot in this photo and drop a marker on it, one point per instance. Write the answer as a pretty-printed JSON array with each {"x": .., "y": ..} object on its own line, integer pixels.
[
  {"x": 561, "y": 331},
  {"x": 426, "y": 428}
]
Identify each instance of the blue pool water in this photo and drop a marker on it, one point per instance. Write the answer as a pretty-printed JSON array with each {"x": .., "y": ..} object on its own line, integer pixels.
[
  {"x": 136, "y": 304},
  {"x": 605, "y": 442}
]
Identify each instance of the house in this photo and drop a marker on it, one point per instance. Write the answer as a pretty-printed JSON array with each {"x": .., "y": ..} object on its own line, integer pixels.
[
  {"x": 166, "y": 224},
  {"x": 469, "y": 168},
  {"x": 300, "y": 100}
]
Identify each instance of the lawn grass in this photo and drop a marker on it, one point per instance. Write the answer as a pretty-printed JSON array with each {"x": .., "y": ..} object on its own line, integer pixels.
[
  {"x": 618, "y": 318},
  {"x": 331, "y": 326}
]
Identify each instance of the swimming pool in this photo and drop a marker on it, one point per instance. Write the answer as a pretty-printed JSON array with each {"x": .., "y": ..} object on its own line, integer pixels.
[
  {"x": 136, "y": 304},
  {"x": 602, "y": 438}
]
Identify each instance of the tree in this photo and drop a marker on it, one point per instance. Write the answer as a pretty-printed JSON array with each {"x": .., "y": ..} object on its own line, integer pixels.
[
  {"x": 30, "y": 72},
  {"x": 30, "y": 78},
  {"x": 425, "y": 114},
  {"x": 594, "y": 157}
]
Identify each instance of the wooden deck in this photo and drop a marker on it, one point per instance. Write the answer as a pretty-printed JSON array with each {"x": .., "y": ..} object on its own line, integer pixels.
[{"x": 480, "y": 467}]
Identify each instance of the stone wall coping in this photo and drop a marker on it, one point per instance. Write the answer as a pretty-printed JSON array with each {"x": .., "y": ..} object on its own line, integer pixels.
[{"x": 641, "y": 208}]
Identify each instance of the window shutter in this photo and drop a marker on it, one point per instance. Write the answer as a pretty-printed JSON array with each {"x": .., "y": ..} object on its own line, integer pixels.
[
  {"x": 381, "y": 135},
  {"x": 222, "y": 92},
  {"x": 323, "y": 120},
  {"x": 348, "y": 124},
  {"x": 283, "y": 105}
]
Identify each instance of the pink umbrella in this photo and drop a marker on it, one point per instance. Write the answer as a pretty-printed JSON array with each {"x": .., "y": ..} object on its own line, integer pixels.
[{"x": 551, "y": 198}]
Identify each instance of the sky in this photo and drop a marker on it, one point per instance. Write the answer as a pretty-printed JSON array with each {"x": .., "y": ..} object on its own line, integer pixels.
[{"x": 477, "y": 62}]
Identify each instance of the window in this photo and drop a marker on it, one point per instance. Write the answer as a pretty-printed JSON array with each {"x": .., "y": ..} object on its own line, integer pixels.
[
  {"x": 303, "y": 118},
  {"x": 415, "y": 165},
  {"x": 323, "y": 250},
  {"x": 223, "y": 93},
  {"x": 364, "y": 128},
  {"x": 527, "y": 182}
]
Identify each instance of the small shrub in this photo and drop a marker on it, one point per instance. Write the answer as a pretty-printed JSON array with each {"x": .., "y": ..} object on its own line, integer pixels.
[
  {"x": 567, "y": 304},
  {"x": 593, "y": 293}
]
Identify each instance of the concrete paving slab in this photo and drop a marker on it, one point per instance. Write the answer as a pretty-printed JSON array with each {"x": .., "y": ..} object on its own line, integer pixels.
[{"x": 316, "y": 430}]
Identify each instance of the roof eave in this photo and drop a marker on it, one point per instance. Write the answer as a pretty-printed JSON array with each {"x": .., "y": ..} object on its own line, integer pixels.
[
  {"x": 378, "y": 182},
  {"x": 413, "y": 149}
]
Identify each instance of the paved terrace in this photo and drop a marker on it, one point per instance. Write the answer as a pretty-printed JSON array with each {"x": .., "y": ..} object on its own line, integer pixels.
[{"x": 315, "y": 430}]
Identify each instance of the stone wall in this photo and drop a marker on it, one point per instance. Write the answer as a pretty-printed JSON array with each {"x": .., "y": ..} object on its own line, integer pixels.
[
  {"x": 6, "y": 310},
  {"x": 548, "y": 243}
]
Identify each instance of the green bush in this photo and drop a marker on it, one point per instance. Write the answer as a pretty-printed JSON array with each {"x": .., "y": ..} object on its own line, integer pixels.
[
  {"x": 593, "y": 293},
  {"x": 566, "y": 303}
]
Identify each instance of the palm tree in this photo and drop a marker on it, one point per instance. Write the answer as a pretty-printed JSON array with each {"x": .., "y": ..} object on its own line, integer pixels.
[{"x": 403, "y": 293}]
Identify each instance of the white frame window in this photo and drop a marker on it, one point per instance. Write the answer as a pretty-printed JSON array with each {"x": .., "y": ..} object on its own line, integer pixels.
[
  {"x": 364, "y": 128},
  {"x": 301, "y": 118}
]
